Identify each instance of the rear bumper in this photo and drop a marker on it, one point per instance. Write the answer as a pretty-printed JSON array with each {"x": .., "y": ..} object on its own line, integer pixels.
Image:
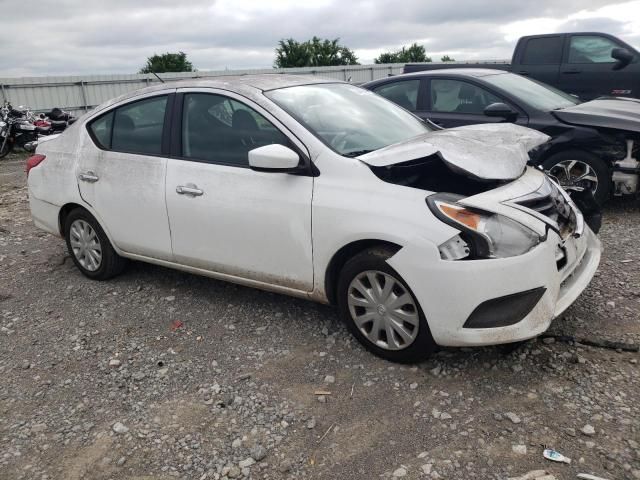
[
  {"x": 450, "y": 291},
  {"x": 45, "y": 215}
]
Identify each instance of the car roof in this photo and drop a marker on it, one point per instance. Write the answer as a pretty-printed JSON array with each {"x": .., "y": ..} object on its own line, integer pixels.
[
  {"x": 247, "y": 85},
  {"x": 468, "y": 72},
  {"x": 464, "y": 72}
]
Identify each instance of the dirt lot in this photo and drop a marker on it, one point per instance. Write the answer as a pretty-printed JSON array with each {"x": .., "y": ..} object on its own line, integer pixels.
[{"x": 159, "y": 374}]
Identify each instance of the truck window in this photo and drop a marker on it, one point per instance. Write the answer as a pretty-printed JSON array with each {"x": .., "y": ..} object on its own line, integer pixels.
[
  {"x": 543, "y": 51},
  {"x": 591, "y": 49}
]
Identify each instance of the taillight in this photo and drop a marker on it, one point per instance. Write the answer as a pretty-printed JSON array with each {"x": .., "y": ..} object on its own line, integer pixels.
[{"x": 34, "y": 161}]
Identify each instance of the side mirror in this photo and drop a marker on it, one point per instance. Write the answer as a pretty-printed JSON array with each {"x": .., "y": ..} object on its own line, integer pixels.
[
  {"x": 500, "y": 110},
  {"x": 273, "y": 158},
  {"x": 623, "y": 56}
]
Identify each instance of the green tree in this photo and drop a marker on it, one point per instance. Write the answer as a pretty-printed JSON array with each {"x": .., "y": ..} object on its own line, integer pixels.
[
  {"x": 413, "y": 53},
  {"x": 316, "y": 52},
  {"x": 447, "y": 58},
  {"x": 168, "y": 62}
]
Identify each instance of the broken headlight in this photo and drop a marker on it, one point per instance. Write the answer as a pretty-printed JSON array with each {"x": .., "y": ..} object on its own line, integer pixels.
[{"x": 487, "y": 235}]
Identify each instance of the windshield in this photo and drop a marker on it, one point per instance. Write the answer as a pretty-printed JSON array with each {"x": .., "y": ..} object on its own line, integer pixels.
[
  {"x": 350, "y": 120},
  {"x": 535, "y": 94}
]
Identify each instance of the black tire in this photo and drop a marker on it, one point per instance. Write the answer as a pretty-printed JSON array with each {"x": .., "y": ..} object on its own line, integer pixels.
[
  {"x": 376, "y": 259},
  {"x": 111, "y": 264},
  {"x": 7, "y": 147},
  {"x": 602, "y": 171}
]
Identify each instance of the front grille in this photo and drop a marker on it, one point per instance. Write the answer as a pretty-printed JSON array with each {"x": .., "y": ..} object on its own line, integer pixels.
[{"x": 550, "y": 203}]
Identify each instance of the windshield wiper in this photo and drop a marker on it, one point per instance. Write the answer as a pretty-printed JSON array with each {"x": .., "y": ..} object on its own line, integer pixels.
[{"x": 356, "y": 153}]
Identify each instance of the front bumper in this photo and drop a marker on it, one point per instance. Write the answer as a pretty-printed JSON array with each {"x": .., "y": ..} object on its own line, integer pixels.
[{"x": 449, "y": 291}]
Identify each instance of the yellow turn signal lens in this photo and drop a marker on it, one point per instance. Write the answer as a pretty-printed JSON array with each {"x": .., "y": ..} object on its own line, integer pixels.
[{"x": 461, "y": 215}]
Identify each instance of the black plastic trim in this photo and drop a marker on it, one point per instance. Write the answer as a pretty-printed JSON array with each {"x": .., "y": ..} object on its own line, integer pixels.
[{"x": 506, "y": 310}]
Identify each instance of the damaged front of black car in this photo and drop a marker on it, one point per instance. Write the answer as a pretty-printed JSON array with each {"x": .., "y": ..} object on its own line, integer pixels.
[
  {"x": 610, "y": 129},
  {"x": 593, "y": 146}
]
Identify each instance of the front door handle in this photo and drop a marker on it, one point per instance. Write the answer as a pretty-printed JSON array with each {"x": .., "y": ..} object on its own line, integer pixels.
[
  {"x": 571, "y": 72},
  {"x": 189, "y": 189},
  {"x": 88, "y": 177}
]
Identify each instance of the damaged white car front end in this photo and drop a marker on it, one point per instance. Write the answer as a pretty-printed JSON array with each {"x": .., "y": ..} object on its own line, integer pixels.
[{"x": 518, "y": 254}]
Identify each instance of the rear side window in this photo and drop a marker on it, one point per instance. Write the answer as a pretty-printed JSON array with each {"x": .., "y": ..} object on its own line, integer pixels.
[
  {"x": 133, "y": 128},
  {"x": 543, "y": 51},
  {"x": 403, "y": 93},
  {"x": 591, "y": 49},
  {"x": 101, "y": 130}
]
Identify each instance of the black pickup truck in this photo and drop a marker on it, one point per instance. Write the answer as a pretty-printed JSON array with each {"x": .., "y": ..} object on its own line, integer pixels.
[{"x": 585, "y": 64}]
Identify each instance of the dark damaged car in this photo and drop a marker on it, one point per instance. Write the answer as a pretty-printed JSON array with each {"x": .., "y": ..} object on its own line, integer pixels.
[{"x": 593, "y": 147}]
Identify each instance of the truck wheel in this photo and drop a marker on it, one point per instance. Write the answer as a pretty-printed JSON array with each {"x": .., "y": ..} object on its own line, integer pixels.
[
  {"x": 575, "y": 168},
  {"x": 381, "y": 311}
]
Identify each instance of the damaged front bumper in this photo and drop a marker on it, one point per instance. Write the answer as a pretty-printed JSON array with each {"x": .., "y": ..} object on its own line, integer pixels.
[{"x": 450, "y": 292}]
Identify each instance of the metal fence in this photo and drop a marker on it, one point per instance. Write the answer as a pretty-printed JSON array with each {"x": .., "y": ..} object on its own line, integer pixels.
[{"x": 78, "y": 94}]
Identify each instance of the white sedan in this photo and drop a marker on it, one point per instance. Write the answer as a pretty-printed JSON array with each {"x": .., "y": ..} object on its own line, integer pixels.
[{"x": 322, "y": 190}]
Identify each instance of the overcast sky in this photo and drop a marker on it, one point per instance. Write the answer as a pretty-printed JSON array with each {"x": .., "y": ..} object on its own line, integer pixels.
[{"x": 59, "y": 37}]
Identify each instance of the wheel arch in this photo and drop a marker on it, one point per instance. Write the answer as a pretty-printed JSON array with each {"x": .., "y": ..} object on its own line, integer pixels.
[
  {"x": 334, "y": 267},
  {"x": 585, "y": 149},
  {"x": 64, "y": 213},
  {"x": 67, "y": 208}
]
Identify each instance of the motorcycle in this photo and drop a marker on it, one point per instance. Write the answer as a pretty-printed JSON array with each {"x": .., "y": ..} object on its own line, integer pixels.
[
  {"x": 16, "y": 130},
  {"x": 57, "y": 120},
  {"x": 20, "y": 127}
]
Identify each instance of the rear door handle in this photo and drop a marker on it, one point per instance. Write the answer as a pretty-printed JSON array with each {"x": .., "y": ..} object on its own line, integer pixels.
[
  {"x": 523, "y": 72},
  {"x": 189, "y": 190},
  {"x": 89, "y": 177},
  {"x": 570, "y": 72}
]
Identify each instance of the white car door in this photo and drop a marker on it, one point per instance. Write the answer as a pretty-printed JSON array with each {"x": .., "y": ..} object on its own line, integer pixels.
[
  {"x": 224, "y": 216},
  {"x": 121, "y": 173}
]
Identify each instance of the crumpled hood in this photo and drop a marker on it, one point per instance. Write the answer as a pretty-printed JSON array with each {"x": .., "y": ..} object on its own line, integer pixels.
[
  {"x": 607, "y": 112},
  {"x": 496, "y": 151}
]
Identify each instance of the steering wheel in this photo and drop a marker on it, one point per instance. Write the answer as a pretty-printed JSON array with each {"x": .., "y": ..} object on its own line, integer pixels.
[{"x": 339, "y": 142}]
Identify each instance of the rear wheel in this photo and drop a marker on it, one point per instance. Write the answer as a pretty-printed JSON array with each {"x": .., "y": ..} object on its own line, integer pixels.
[
  {"x": 583, "y": 170},
  {"x": 381, "y": 311},
  {"x": 90, "y": 248}
]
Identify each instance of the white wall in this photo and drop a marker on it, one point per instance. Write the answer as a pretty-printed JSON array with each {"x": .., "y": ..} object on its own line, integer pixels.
[{"x": 80, "y": 93}]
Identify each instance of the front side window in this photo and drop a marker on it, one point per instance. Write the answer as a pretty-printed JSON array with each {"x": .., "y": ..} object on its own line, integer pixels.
[
  {"x": 403, "y": 93},
  {"x": 455, "y": 96},
  {"x": 222, "y": 130},
  {"x": 535, "y": 94},
  {"x": 591, "y": 49},
  {"x": 133, "y": 128},
  {"x": 350, "y": 120}
]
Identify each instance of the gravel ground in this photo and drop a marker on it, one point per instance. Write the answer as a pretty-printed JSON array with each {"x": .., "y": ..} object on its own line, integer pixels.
[{"x": 159, "y": 374}]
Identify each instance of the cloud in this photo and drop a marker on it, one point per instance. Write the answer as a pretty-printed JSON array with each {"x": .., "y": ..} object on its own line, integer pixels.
[{"x": 90, "y": 36}]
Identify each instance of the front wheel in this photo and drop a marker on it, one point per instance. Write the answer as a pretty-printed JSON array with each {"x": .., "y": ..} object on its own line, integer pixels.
[
  {"x": 381, "y": 311},
  {"x": 583, "y": 170}
]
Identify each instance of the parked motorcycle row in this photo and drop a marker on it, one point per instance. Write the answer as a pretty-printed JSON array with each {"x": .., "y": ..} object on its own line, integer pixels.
[{"x": 21, "y": 128}]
